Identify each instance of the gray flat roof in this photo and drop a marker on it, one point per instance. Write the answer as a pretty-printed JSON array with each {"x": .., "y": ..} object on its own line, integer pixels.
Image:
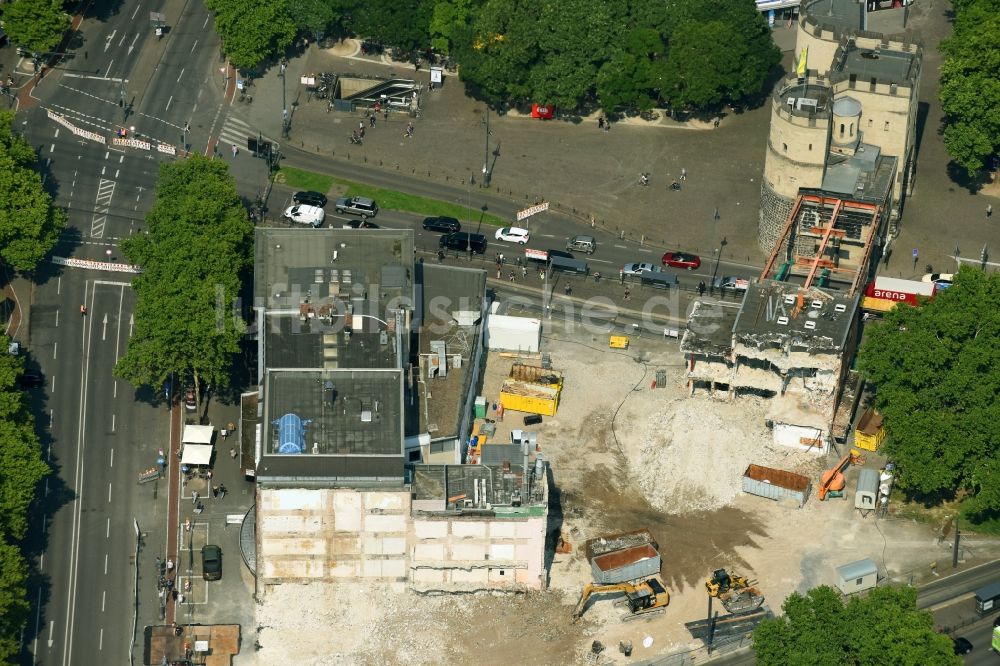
[
  {"x": 865, "y": 176},
  {"x": 843, "y": 15},
  {"x": 709, "y": 328},
  {"x": 858, "y": 569},
  {"x": 771, "y": 319},
  {"x": 883, "y": 65},
  {"x": 342, "y": 412},
  {"x": 439, "y": 482}
]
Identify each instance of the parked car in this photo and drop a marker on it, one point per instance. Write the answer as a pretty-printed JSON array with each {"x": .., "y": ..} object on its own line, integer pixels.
[
  {"x": 730, "y": 282},
  {"x": 211, "y": 562},
  {"x": 940, "y": 280},
  {"x": 30, "y": 380},
  {"x": 360, "y": 224},
  {"x": 962, "y": 645},
  {"x": 639, "y": 268},
  {"x": 444, "y": 225},
  {"x": 362, "y": 206},
  {"x": 513, "y": 235},
  {"x": 305, "y": 214},
  {"x": 582, "y": 243},
  {"x": 463, "y": 242},
  {"x": 681, "y": 260},
  {"x": 311, "y": 198}
]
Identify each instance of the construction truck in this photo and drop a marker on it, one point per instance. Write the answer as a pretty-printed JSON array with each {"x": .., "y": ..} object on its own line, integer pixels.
[
  {"x": 648, "y": 597},
  {"x": 737, "y": 593}
]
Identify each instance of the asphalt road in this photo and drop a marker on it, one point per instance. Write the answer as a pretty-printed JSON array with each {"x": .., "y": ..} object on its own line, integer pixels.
[
  {"x": 980, "y": 635},
  {"x": 101, "y": 434}
]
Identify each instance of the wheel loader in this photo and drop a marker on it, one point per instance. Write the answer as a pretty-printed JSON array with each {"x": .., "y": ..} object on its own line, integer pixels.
[
  {"x": 648, "y": 597},
  {"x": 737, "y": 593}
]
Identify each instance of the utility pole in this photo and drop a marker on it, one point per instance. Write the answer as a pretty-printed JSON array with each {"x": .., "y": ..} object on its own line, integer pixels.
[
  {"x": 284, "y": 104},
  {"x": 954, "y": 550}
]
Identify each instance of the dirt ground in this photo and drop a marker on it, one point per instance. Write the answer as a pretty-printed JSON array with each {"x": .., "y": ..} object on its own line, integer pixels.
[{"x": 624, "y": 456}]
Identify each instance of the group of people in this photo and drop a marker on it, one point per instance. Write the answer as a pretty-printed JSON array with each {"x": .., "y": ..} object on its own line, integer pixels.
[{"x": 674, "y": 184}]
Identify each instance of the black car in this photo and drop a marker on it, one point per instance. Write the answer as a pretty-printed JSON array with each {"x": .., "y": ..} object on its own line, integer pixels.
[
  {"x": 211, "y": 562},
  {"x": 444, "y": 225},
  {"x": 962, "y": 645},
  {"x": 30, "y": 380},
  {"x": 360, "y": 224},
  {"x": 463, "y": 242},
  {"x": 309, "y": 198}
]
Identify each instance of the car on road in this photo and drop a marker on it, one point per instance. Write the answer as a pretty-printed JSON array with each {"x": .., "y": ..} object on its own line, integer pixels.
[
  {"x": 462, "y": 241},
  {"x": 360, "y": 224},
  {"x": 730, "y": 282},
  {"x": 362, "y": 206},
  {"x": 962, "y": 645},
  {"x": 310, "y": 198},
  {"x": 30, "y": 380},
  {"x": 444, "y": 225},
  {"x": 582, "y": 243},
  {"x": 681, "y": 260},
  {"x": 940, "y": 280},
  {"x": 305, "y": 214},
  {"x": 639, "y": 268},
  {"x": 513, "y": 235},
  {"x": 211, "y": 562}
]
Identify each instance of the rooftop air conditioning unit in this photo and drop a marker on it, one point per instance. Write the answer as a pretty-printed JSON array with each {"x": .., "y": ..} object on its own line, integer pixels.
[
  {"x": 816, "y": 305},
  {"x": 789, "y": 299},
  {"x": 811, "y": 325},
  {"x": 840, "y": 307},
  {"x": 783, "y": 321}
]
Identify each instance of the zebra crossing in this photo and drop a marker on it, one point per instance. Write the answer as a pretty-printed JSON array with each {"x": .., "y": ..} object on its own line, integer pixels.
[
  {"x": 102, "y": 204},
  {"x": 235, "y": 133}
]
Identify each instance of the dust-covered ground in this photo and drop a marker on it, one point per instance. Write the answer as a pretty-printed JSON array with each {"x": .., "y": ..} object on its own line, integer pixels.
[{"x": 624, "y": 456}]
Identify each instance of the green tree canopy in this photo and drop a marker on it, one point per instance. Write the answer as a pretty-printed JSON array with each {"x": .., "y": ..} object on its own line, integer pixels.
[
  {"x": 936, "y": 371},
  {"x": 37, "y": 25},
  {"x": 882, "y": 629},
  {"x": 312, "y": 16},
  {"x": 29, "y": 224},
  {"x": 403, "y": 24},
  {"x": 198, "y": 244},
  {"x": 970, "y": 89},
  {"x": 21, "y": 471},
  {"x": 252, "y": 30}
]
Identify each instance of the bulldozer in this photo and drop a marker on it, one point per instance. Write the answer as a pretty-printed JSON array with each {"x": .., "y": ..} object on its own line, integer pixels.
[
  {"x": 648, "y": 597},
  {"x": 737, "y": 593}
]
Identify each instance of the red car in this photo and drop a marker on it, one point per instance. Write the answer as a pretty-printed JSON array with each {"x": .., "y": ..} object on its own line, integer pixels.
[{"x": 681, "y": 260}]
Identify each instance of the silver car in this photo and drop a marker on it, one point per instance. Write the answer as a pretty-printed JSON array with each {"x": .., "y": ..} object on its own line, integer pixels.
[{"x": 640, "y": 268}]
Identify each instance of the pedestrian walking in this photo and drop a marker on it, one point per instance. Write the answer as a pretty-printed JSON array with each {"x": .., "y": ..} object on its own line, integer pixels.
[
  {"x": 627, "y": 293},
  {"x": 989, "y": 211},
  {"x": 371, "y": 121},
  {"x": 600, "y": 122},
  {"x": 498, "y": 272},
  {"x": 236, "y": 150},
  {"x": 684, "y": 174},
  {"x": 716, "y": 216},
  {"x": 361, "y": 126},
  {"x": 715, "y": 123},
  {"x": 567, "y": 289},
  {"x": 440, "y": 256},
  {"x": 512, "y": 276},
  {"x": 524, "y": 271},
  {"x": 170, "y": 565},
  {"x": 503, "y": 259},
  {"x": 222, "y": 491},
  {"x": 232, "y": 452},
  {"x": 194, "y": 498},
  {"x": 621, "y": 277},
  {"x": 701, "y": 288},
  {"x": 215, "y": 492}
]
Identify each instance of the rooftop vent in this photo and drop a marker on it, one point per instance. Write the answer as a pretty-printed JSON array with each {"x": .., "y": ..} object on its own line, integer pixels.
[
  {"x": 811, "y": 325},
  {"x": 789, "y": 299},
  {"x": 783, "y": 321},
  {"x": 839, "y": 307},
  {"x": 816, "y": 305}
]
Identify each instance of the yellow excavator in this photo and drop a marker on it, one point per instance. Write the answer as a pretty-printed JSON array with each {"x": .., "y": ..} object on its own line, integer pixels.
[
  {"x": 737, "y": 593},
  {"x": 648, "y": 597}
]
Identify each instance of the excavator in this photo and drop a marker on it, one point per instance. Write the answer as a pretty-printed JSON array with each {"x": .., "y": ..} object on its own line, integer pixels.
[
  {"x": 647, "y": 597},
  {"x": 736, "y": 593},
  {"x": 832, "y": 482}
]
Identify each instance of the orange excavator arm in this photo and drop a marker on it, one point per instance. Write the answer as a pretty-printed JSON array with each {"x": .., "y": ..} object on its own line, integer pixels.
[
  {"x": 590, "y": 590},
  {"x": 830, "y": 475}
]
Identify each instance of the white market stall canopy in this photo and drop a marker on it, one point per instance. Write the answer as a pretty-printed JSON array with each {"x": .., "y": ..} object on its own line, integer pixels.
[
  {"x": 197, "y": 434},
  {"x": 196, "y": 454}
]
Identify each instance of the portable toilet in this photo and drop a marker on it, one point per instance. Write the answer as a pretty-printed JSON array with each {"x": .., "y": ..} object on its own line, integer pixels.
[
  {"x": 867, "y": 492},
  {"x": 857, "y": 576}
]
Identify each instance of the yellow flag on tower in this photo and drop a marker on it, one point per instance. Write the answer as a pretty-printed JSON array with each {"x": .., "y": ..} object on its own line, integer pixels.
[{"x": 800, "y": 68}]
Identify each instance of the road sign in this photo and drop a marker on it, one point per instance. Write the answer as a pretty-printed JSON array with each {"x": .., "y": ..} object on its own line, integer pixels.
[
  {"x": 528, "y": 212},
  {"x": 541, "y": 255},
  {"x": 915, "y": 253}
]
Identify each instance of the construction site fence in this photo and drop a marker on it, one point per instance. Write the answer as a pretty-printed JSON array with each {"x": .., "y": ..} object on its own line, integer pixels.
[{"x": 702, "y": 654}]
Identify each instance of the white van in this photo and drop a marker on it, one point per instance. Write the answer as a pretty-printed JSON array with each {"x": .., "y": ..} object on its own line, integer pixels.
[{"x": 305, "y": 214}]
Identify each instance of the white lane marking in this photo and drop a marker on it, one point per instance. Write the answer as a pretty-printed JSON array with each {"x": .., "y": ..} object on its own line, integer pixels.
[
  {"x": 55, "y": 136},
  {"x": 55, "y": 348},
  {"x": 100, "y": 641},
  {"x": 136, "y": 9},
  {"x": 52, "y": 148},
  {"x": 111, "y": 463},
  {"x": 59, "y": 286},
  {"x": 109, "y": 502},
  {"x": 78, "y": 482},
  {"x": 107, "y": 529},
  {"x": 132, "y": 45},
  {"x": 112, "y": 423},
  {"x": 642, "y": 249},
  {"x": 113, "y": 79},
  {"x": 600, "y": 261},
  {"x": 180, "y": 75},
  {"x": 104, "y": 599},
  {"x": 57, "y": 318},
  {"x": 624, "y": 247},
  {"x": 105, "y": 564},
  {"x": 169, "y": 102},
  {"x": 52, "y": 625},
  {"x": 109, "y": 66},
  {"x": 194, "y": 46}
]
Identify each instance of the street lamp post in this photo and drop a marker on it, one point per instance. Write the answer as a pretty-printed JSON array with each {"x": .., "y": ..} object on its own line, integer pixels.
[
  {"x": 284, "y": 104},
  {"x": 486, "y": 155}
]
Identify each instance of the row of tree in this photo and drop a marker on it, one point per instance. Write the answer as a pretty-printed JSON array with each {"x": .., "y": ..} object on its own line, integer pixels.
[
  {"x": 883, "y": 628},
  {"x": 936, "y": 372},
  {"x": 625, "y": 55},
  {"x": 194, "y": 254},
  {"x": 21, "y": 470},
  {"x": 29, "y": 224},
  {"x": 970, "y": 95},
  {"x": 36, "y": 25}
]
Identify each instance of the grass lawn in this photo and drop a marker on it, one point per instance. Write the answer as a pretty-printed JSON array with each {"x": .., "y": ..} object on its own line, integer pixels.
[{"x": 392, "y": 199}]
